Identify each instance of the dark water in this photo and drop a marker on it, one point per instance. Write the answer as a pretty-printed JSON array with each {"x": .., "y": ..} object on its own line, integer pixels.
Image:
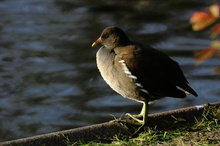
[{"x": 48, "y": 75}]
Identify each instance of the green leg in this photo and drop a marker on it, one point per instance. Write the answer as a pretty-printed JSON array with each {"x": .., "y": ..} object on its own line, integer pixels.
[{"x": 143, "y": 114}]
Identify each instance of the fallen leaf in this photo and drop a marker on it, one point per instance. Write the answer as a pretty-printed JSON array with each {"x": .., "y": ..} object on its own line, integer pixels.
[{"x": 204, "y": 54}]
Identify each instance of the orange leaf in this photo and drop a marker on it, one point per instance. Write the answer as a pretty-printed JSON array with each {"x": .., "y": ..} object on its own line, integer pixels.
[
  {"x": 201, "y": 20},
  {"x": 215, "y": 30},
  {"x": 198, "y": 17},
  {"x": 204, "y": 54}
]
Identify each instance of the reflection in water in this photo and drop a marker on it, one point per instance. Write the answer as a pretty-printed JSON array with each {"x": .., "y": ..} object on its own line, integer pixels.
[{"x": 49, "y": 79}]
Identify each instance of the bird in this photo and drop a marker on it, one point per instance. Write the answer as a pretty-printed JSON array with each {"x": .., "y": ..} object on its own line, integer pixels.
[{"x": 137, "y": 71}]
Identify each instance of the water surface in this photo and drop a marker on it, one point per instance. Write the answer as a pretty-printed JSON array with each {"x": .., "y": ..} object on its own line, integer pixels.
[{"x": 49, "y": 79}]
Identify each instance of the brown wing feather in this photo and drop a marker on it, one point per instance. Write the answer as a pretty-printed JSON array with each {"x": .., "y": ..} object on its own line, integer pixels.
[{"x": 159, "y": 74}]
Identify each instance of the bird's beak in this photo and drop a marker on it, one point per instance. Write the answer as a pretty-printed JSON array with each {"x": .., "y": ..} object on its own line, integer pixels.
[{"x": 98, "y": 41}]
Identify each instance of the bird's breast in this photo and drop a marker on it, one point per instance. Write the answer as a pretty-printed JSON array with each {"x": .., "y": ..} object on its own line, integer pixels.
[{"x": 113, "y": 72}]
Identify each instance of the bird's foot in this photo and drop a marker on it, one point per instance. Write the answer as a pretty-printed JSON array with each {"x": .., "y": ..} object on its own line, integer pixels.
[
  {"x": 140, "y": 123},
  {"x": 136, "y": 118}
]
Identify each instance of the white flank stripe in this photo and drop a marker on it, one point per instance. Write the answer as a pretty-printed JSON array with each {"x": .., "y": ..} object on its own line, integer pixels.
[
  {"x": 133, "y": 77},
  {"x": 139, "y": 85},
  {"x": 129, "y": 74},
  {"x": 126, "y": 70},
  {"x": 144, "y": 91}
]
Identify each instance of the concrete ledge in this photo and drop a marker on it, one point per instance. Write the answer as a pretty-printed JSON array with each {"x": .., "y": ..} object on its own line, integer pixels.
[{"x": 107, "y": 131}]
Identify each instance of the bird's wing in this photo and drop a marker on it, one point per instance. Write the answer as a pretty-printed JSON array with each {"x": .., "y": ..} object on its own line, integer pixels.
[{"x": 158, "y": 73}]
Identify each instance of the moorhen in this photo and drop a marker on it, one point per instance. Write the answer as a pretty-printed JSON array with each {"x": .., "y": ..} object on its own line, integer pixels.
[{"x": 137, "y": 71}]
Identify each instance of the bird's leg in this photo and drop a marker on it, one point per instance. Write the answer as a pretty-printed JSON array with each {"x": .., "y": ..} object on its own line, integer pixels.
[{"x": 143, "y": 114}]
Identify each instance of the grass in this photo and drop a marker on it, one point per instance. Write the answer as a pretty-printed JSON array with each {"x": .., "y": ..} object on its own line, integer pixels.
[{"x": 203, "y": 131}]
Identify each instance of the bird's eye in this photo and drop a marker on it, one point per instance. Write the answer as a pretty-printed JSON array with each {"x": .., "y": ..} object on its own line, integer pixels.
[{"x": 104, "y": 36}]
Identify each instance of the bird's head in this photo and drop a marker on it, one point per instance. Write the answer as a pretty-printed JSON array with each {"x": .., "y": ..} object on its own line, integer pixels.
[{"x": 112, "y": 37}]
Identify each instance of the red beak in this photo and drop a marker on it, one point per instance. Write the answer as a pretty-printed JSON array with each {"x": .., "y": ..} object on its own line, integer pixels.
[{"x": 98, "y": 41}]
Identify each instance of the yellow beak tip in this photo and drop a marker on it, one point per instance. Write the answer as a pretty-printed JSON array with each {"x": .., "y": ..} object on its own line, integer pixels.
[{"x": 94, "y": 44}]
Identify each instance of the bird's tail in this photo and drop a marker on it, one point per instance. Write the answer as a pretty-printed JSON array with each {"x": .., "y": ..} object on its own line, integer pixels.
[{"x": 187, "y": 89}]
